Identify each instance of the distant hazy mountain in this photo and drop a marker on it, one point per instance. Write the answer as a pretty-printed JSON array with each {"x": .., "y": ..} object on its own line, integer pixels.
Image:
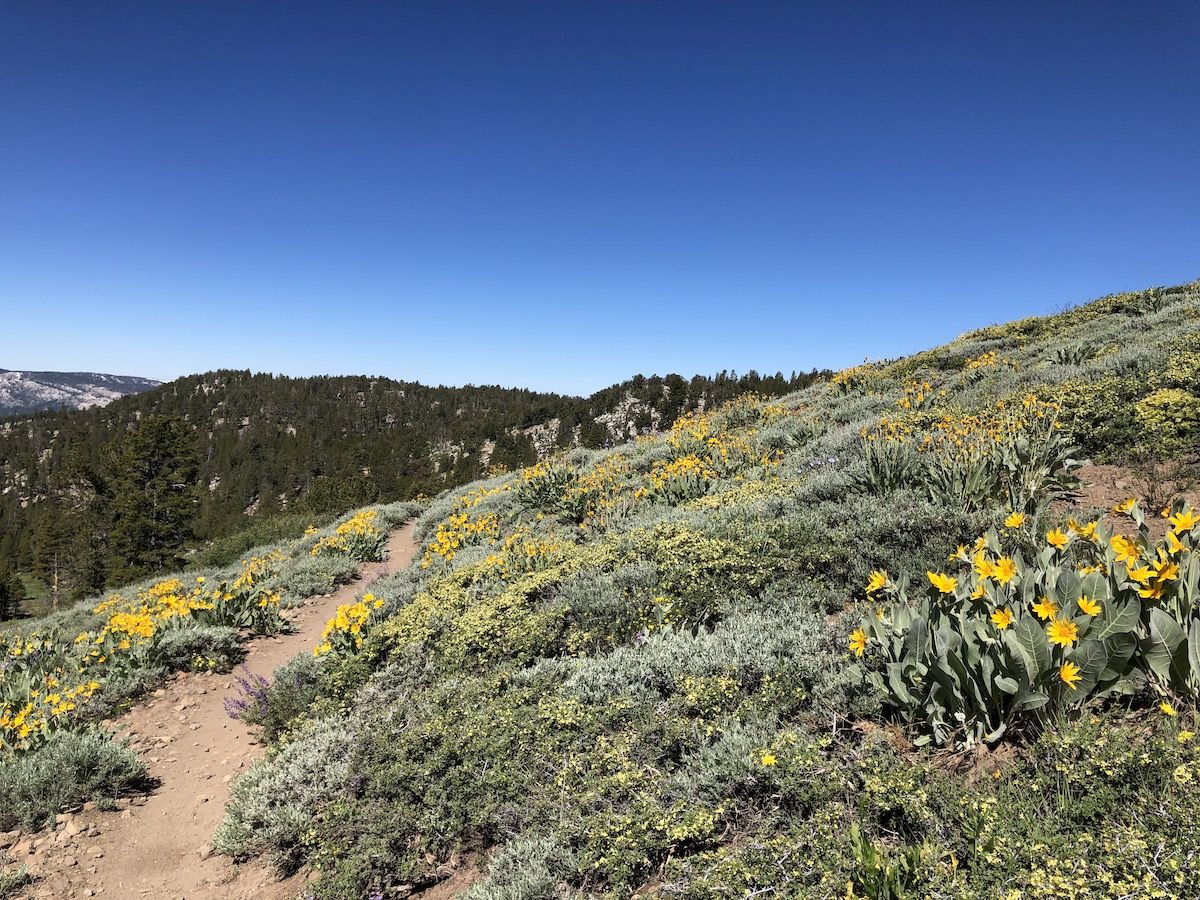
[{"x": 26, "y": 392}]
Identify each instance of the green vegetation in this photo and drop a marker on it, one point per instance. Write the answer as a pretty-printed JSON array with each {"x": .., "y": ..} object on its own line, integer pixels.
[
  {"x": 60, "y": 675},
  {"x": 616, "y": 671},
  {"x": 223, "y": 462}
]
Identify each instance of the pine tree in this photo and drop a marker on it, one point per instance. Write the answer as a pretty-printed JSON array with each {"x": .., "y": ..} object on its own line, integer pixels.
[
  {"x": 51, "y": 544},
  {"x": 154, "y": 490},
  {"x": 12, "y": 594}
]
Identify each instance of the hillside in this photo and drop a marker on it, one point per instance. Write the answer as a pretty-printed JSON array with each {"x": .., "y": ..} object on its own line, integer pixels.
[
  {"x": 256, "y": 447},
  {"x": 27, "y": 392},
  {"x": 887, "y": 636}
]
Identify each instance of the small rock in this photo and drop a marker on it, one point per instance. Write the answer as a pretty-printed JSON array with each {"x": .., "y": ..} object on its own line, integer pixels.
[
  {"x": 206, "y": 852},
  {"x": 8, "y": 838},
  {"x": 63, "y": 818},
  {"x": 69, "y": 861},
  {"x": 95, "y": 853},
  {"x": 160, "y": 693}
]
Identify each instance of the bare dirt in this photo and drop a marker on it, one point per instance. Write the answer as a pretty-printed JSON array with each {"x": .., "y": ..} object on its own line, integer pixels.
[
  {"x": 157, "y": 846},
  {"x": 1103, "y": 487}
]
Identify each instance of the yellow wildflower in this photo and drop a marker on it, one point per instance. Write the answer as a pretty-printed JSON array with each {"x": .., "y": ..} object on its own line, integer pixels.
[
  {"x": 858, "y": 641},
  {"x": 1015, "y": 520},
  {"x": 944, "y": 583},
  {"x": 1167, "y": 709},
  {"x": 1068, "y": 674},
  {"x": 1062, "y": 631},
  {"x": 1127, "y": 550},
  {"x": 1057, "y": 539},
  {"x": 876, "y": 581},
  {"x": 1184, "y": 520},
  {"x": 1045, "y": 608},
  {"x": 1089, "y": 606},
  {"x": 1002, "y": 618},
  {"x": 1006, "y": 570}
]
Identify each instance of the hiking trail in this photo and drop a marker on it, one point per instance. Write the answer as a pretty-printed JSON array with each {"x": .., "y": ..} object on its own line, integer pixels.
[{"x": 157, "y": 846}]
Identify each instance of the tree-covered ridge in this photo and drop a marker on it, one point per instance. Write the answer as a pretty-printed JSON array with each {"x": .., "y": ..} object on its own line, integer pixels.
[{"x": 256, "y": 446}]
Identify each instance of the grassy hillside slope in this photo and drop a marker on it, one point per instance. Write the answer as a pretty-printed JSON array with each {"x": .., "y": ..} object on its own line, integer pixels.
[
  {"x": 692, "y": 666},
  {"x": 860, "y": 641}
]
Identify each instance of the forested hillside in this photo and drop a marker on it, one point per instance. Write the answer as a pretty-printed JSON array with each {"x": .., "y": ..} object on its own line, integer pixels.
[{"x": 217, "y": 453}]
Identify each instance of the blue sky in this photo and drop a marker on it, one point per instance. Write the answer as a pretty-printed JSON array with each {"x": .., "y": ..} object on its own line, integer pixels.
[{"x": 560, "y": 195}]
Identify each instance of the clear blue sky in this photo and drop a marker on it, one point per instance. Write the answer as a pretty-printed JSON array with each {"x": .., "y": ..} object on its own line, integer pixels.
[{"x": 559, "y": 195}]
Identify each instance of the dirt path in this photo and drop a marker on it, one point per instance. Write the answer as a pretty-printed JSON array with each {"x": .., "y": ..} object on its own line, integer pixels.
[{"x": 157, "y": 846}]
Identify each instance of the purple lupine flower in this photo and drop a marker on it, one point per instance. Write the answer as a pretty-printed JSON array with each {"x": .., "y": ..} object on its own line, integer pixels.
[{"x": 253, "y": 689}]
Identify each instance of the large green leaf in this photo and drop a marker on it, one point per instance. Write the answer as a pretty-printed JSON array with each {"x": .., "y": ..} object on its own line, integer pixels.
[
  {"x": 1116, "y": 618},
  {"x": 1194, "y": 654},
  {"x": 1121, "y": 647},
  {"x": 1032, "y": 638},
  {"x": 1069, "y": 587},
  {"x": 916, "y": 641},
  {"x": 1008, "y": 685},
  {"x": 896, "y": 684},
  {"x": 1164, "y": 645},
  {"x": 1091, "y": 657}
]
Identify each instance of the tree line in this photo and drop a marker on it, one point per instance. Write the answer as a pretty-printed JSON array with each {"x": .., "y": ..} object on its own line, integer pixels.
[{"x": 95, "y": 498}]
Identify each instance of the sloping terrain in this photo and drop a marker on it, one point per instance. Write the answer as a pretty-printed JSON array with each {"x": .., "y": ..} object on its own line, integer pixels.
[
  {"x": 868, "y": 640},
  {"x": 27, "y": 392},
  {"x": 892, "y": 635},
  {"x": 158, "y": 846}
]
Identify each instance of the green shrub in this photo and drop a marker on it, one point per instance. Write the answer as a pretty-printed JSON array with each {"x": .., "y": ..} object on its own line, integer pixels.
[
  {"x": 13, "y": 879},
  {"x": 274, "y": 805},
  {"x": 309, "y": 576},
  {"x": 201, "y": 648},
  {"x": 69, "y": 769},
  {"x": 1170, "y": 420},
  {"x": 529, "y": 867},
  {"x": 288, "y": 697}
]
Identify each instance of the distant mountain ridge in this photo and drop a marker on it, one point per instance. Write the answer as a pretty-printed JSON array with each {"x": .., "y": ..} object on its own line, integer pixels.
[
  {"x": 26, "y": 392},
  {"x": 265, "y": 445}
]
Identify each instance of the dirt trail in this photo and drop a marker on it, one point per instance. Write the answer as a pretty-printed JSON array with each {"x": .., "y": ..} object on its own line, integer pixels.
[{"x": 158, "y": 846}]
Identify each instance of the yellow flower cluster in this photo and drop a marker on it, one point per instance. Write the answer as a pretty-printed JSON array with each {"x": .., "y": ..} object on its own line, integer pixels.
[
  {"x": 854, "y": 377},
  {"x": 690, "y": 468},
  {"x": 34, "y": 700},
  {"x": 596, "y": 494},
  {"x": 994, "y": 585},
  {"x": 344, "y": 632},
  {"x": 987, "y": 360},
  {"x": 459, "y": 530},
  {"x": 918, "y": 394},
  {"x": 24, "y": 724},
  {"x": 477, "y": 496},
  {"x": 358, "y": 527}
]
